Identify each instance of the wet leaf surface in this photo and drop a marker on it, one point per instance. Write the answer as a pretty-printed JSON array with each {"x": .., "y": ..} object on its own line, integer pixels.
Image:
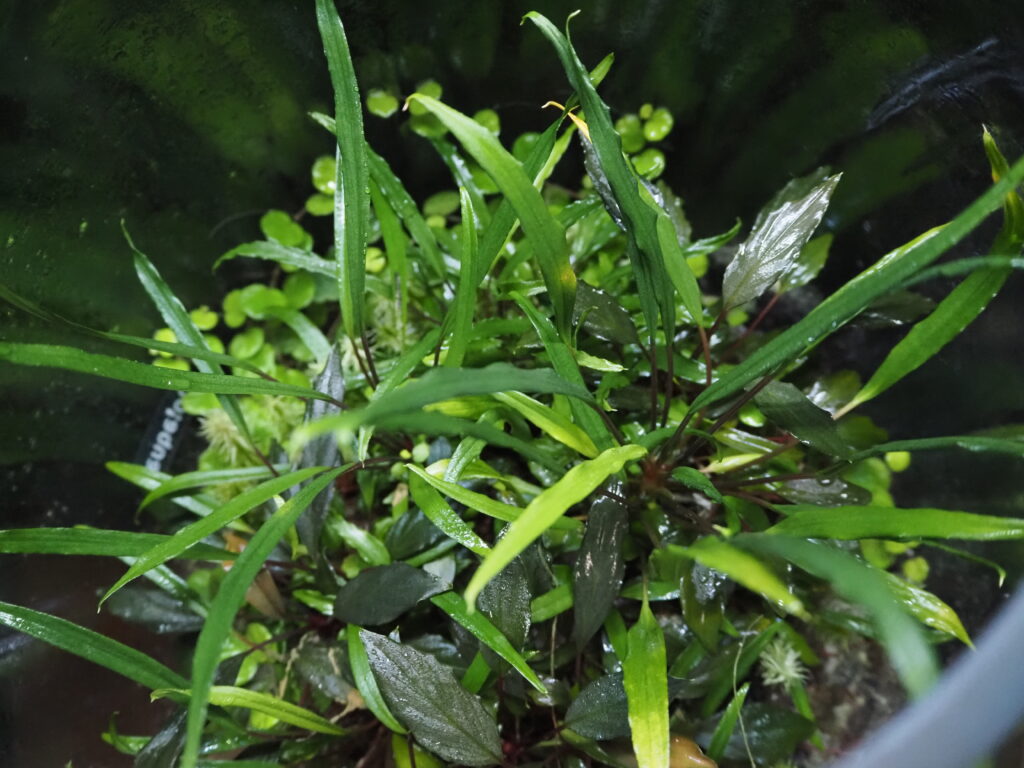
[
  {"x": 382, "y": 594},
  {"x": 599, "y": 568}
]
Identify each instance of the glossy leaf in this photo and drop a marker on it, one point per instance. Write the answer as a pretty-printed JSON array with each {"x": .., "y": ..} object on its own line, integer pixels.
[
  {"x": 200, "y": 478},
  {"x": 549, "y": 421},
  {"x": 787, "y": 407},
  {"x": 119, "y": 369},
  {"x": 744, "y": 569},
  {"x": 928, "y": 609},
  {"x": 678, "y": 268},
  {"x": 546, "y": 509},
  {"x": 909, "y": 652},
  {"x": 808, "y": 264},
  {"x": 975, "y": 444},
  {"x": 440, "y": 713},
  {"x": 603, "y": 316},
  {"x": 597, "y": 575},
  {"x": 91, "y": 646},
  {"x": 352, "y": 180},
  {"x": 97, "y": 541},
  {"x": 769, "y": 732},
  {"x": 538, "y": 224},
  {"x": 645, "y": 678},
  {"x": 230, "y": 597},
  {"x": 779, "y": 233},
  {"x": 459, "y": 321},
  {"x": 365, "y": 544},
  {"x": 366, "y": 682},
  {"x": 286, "y": 712},
  {"x": 600, "y": 712},
  {"x": 382, "y": 594},
  {"x": 855, "y": 522},
  {"x": 321, "y": 663},
  {"x": 698, "y": 481},
  {"x": 192, "y": 534},
  {"x": 483, "y": 630},
  {"x": 443, "y": 516},
  {"x": 844, "y": 304},
  {"x": 506, "y": 602}
]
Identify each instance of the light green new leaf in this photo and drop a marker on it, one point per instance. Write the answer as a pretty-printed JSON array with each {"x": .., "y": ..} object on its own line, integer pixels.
[
  {"x": 200, "y": 478},
  {"x": 307, "y": 332},
  {"x": 443, "y": 516},
  {"x": 192, "y": 534},
  {"x": 547, "y": 508},
  {"x": 854, "y": 522},
  {"x": 366, "y": 683},
  {"x": 148, "y": 479},
  {"x": 781, "y": 230},
  {"x": 745, "y": 569},
  {"x": 976, "y": 444},
  {"x": 549, "y": 421},
  {"x": 459, "y": 321},
  {"x": 230, "y": 696},
  {"x": 787, "y": 407},
  {"x": 645, "y": 678},
  {"x": 368, "y": 546},
  {"x": 91, "y": 646},
  {"x": 119, "y": 369},
  {"x": 909, "y": 651},
  {"x": 889, "y": 272},
  {"x": 230, "y": 598},
  {"x": 483, "y": 630},
  {"x": 96, "y": 541},
  {"x": 928, "y": 609},
  {"x": 282, "y": 254},
  {"x": 544, "y": 231},
  {"x": 351, "y": 197}
]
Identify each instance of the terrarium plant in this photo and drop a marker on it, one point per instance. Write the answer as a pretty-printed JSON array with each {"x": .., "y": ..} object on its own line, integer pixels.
[{"x": 521, "y": 474}]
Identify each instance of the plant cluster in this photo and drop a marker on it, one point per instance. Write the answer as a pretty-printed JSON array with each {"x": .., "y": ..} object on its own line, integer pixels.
[{"x": 496, "y": 480}]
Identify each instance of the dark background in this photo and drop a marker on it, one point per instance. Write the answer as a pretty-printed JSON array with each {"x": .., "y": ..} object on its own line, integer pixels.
[{"x": 187, "y": 120}]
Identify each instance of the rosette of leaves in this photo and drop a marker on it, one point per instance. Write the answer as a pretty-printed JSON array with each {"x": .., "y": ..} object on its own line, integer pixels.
[{"x": 504, "y": 476}]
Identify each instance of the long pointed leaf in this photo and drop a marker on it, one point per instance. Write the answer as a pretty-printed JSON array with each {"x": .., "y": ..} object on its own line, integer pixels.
[
  {"x": 282, "y": 254},
  {"x": 286, "y": 712},
  {"x": 230, "y": 598},
  {"x": 459, "y": 321},
  {"x": 443, "y": 516},
  {"x": 855, "y": 522},
  {"x": 547, "y": 508},
  {"x": 201, "y": 478},
  {"x": 366, "y": 683},
  {"x": 645, "y": 678},
  {"x": 351, "y": 197},
  {"x": 91, "y": 646},
  {"x": 978, "y": 444},
  {"x": 97, "y": 541}
]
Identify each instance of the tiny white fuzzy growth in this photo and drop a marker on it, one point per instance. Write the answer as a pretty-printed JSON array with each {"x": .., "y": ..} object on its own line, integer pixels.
[{"x": 781, "y": 664}]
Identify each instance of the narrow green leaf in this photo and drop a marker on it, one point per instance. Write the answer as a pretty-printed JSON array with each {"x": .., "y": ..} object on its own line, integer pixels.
[
  {"x": 910, "y": 653},
  {"x": 597, "y": 575},
  {"x": 745, "y": 569},
  {"x": 855, "y": 522},
  {"x": 178, "y": 320},
  {"x": 787, "y": 407},
  {"x": 308, "y": 333},
  {"x": 463, "y": 177},
  {"x": 396, "y": 247},
  {"x": 483, "y": 630},
  {"x": 187, "y": 351},
  {"x": 442, "y": 715},
  {"x": 230, "y": 598},
  {"x": 443, "y": 516},
  {"x": 96, "y": 541},
  {"x": 382, "y": 594},
  {"x": 460, "y": 318},
  {"x": 547, "y": 508},
  {"x": 499, "y": 510},
  {"x": 726, "y": 726},
  {"x": 351, "y": 197},
  {"x": 781, "y": 230},
  {"x": 201, "y": 478},
  {"x": 965, "y": 442},
  {"x": 549, "y": 421},
  {"x": 958, "y": 267},
  {"x": 892, "y": 270},
  {"x": 230, "y": 696},
  {"x": 366, "y": 683},
  {"x": 91, "y": 646},
  {"x": 928, "y": 609},
  {"x": 282, "y": 254},
  {"x": 564, "y": 363},
  {"x": 366, "y": 545},
  {"x": 477, "y": 673},
  {"x": 538, "y": 224},
  {"x": 119, "y": 369},
  {"x": 552, "y": 603},
  {"x": 678, "y": 268},
  {"x": 698, "y": 481},
  {"x": 646, "y": 681},
  {"x": 191, "y": 535},
  {"x": 148, "y": 479}
]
